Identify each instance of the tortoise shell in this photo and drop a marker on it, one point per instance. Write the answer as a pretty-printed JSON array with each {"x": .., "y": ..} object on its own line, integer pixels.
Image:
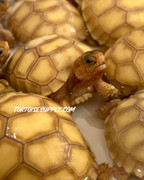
[
  {"x": 29, "y": 19},
  {"x": 43, "y": 145},
  {"x": 124, "y": 129},
  {"x": 110, "y": 20},
  {"x": 125, "y": 62},
  {"x": 43, "y": 65}
]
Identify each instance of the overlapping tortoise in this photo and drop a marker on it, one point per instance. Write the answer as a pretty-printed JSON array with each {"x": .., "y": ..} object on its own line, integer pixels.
[
  {"x": 42, "y": 145},
  {"x": 57, "y": 66},
  {"x": 125, "y": 62},
  {"x": 110, "y": 20},
  {"x": 124, "y": 129},
  {"x": 29, "y": 19},
  {"x": 5, "y": 34}
]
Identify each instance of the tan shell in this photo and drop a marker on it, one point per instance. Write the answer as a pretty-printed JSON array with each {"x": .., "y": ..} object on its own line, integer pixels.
[
  {"x": 41, "y": 145},
  {"x": 110, "y": 20},
  {"x": 29, "y": 19},
  {"x": 43, "y": 65},
  {"x": 124, "y": 61},
  {"x": 124, "y": 130}
]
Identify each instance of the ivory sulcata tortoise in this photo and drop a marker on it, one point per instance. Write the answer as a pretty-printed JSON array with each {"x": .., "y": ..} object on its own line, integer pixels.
[
  {"x": 109, "y": 20},
  {"x": 124, "y": 129},
  {"x": 38, "y": 145},
  {"x": 55, "y": 66},
  {"x": 125, "y": 62},
  {"x": 29, "y": 19},
  {"x": 5, "y": 35}
]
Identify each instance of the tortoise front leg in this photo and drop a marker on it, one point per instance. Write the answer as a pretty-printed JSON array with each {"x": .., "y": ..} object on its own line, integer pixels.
[
  {"x": 80, "y": 93},
  {"x": 107, "y": 91},
  {"x": 6, "y": 35}
]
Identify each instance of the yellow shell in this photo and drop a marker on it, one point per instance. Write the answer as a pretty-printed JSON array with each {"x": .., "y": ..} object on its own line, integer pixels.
[
  {"x": 29, "y": 19},
  {"x": 124, "y": 61},
  {"x": 43, "y": 65},
  {"x": 41, "y": 145},
  {"x": 109, "y": 20},
  {"x": 124, "y": 129}
]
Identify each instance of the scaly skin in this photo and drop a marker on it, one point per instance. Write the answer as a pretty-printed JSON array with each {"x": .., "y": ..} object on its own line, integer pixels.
[
  {"x": 104, "y": 172},
  {"x": 4, "y": 4},
  {"x": 105, "y": 110},
  {"x": 4, "y": 53},
  {"x": 5, "y": 35},
  {"x": 120, "y": 173},
  {"x": 5, "y": 87}
]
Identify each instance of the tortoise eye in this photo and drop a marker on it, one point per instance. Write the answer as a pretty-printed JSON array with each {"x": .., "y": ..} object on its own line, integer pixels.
[
  {"x": 1, "y": 51},
  {"x": 90, "y": 61},
  {"x": 2, "y": 1}
]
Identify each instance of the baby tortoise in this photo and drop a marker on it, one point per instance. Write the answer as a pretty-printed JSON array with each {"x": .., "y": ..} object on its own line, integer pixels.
[
  {"x": 42, "y": 145},
  {"x": 55, "y": 66},
  {"x": 125, "y": 62},
  {"x": 5, "y": 35},
  {"x": 109, "y": 21},
  {"x": 124, "y": 129},
  {"x": 30, "y": 19}
]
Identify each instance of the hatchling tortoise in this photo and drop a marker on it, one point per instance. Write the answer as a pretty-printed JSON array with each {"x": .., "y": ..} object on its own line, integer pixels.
[
  {"x": 109, "y": 20},
  {"x": 125, "y": 62},
  {"x": 42, "y": 145},
  {"x": 5, "y": 35},
  {"x": 29, "y": 19},
  {"x": 124, "y": 129},
  {"x": 57, "y": 66}
]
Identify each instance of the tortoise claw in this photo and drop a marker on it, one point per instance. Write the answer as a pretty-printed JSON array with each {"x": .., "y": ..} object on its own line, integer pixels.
[{"x": 81, "y": 99}]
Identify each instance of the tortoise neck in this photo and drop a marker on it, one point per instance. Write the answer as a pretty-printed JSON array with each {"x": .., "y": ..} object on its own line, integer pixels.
[{"x": 72, "y": 80}]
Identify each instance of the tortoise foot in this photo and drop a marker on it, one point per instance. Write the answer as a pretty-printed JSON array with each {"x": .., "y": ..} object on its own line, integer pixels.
[
  {"x": 119, "y": 173},
  {"x": 104, "y": 172},
  {"x": 81, "y": 99}
]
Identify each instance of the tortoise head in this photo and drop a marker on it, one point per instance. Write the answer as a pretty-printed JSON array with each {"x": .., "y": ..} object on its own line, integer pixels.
[
  {"x": 90, "y": 66},
  {"x": 4, "y": 52},
  {"x": 5, "y": 87},
  {"x": 4, "y": 4}
]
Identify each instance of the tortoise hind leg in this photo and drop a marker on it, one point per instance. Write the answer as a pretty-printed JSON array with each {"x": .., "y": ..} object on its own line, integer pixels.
[{"x": 104, "y": 111}]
